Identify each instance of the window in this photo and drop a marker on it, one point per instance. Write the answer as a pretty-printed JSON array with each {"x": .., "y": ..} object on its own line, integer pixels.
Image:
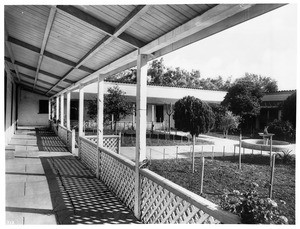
[
  {"x": 159, "y": 113},
  {"x": 43, "y": 107}
]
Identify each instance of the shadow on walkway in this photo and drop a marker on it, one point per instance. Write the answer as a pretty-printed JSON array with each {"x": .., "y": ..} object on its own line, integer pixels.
[
  {"x": 49, "y": 141},
  {"x": 78, "y": 197}
]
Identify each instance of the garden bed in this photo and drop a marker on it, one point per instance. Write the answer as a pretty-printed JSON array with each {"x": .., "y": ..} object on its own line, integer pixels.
[{"x": 221, "y": 175}]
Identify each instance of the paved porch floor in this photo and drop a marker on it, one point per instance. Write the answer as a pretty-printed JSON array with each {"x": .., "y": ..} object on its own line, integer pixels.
[{"x": 45, "y": 184}]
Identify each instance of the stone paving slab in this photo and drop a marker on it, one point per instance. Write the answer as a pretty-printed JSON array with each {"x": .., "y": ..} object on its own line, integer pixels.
[
  {"x": 52, "y": 187},
  {"x": 16, "y": 218}
]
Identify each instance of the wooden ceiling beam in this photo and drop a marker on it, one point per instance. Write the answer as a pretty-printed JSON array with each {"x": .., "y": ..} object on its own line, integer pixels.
[
  {"x": 112, "y": 33},
  {"x": 42, "y": 81},
  {"x": 44, "y": 42},
  {"x": 104, "y": 27},
  {"x": 48, "y": 54},
  {"x": 34, "y": 69},
  {"x": 11, "y": 54}
]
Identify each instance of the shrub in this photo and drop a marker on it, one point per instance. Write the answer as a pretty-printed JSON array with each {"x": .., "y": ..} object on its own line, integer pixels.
[
  {"x": 251, "y": 208},
  {"x": 283, "y": 130}
]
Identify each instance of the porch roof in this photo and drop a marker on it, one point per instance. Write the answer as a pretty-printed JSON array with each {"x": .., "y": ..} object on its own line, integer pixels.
[{"x": 52, "y": 49}]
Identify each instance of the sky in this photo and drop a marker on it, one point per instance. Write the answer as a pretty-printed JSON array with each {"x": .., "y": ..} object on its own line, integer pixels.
[{"x": 265, "y": 45}]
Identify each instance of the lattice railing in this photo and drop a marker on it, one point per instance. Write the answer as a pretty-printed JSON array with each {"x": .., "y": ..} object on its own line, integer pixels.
[
  {"x": 87, "y": 153},
  {"x": 111, "y": 142},
  {"x": 162, "y": 201},
  {"x": 166, "y": 202},
  {"x": 117, "y": 173}
]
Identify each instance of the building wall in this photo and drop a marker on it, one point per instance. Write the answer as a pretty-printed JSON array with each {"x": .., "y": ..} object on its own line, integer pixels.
[
  {"x": 28, "y": 114},
  {"x": 10, "y": 119}
]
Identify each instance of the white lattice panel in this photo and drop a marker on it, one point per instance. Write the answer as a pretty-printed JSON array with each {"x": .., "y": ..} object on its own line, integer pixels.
[
  {"x": 119, "y": 178},
  {"x": 69, "y": 140},
  {"x": 162, "y": 206},
  {"x": 111, "y": 143},
  {"x": 88, "y": 155}
]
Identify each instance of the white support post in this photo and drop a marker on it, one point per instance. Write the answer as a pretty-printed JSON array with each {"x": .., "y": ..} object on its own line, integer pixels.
[
  {"x": 141, "y": 121},
  {"x": 133, "y": 115},
  {"x": 152, "y": 113},
  {"x": 57, "y": 108},
  {"x": 62, "y": 113},
  {"x": 100, "y": 118},
  {"x": 81, "y": 110},
  {"x": 49, "y": 109},
  {"x": 68, "y": 110}
]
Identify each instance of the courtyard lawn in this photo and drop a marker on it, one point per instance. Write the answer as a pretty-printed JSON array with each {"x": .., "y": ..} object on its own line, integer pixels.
[{"x": 222, "y": 175}]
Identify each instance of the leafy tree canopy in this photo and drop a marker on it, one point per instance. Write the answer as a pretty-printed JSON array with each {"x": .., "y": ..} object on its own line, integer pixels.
[
  {"x": 115, "y": 104},
  {"x": 193, "y": 115}
]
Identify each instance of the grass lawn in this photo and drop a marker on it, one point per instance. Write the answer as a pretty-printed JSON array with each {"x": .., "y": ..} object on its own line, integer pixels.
[{"x": 223, "y": 174}]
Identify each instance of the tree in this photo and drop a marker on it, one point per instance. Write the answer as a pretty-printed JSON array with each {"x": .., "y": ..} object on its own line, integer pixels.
[
  {"x": 194, "y": 116},
  {"x": 219, "y": 111},
  {"x": 267, "y": 84},
  {"x": 229, "y": 121},
  {"x": 243, "y": 99},
  {"x": 115, "y": 104},
  {"x": 289, "y": 109}
]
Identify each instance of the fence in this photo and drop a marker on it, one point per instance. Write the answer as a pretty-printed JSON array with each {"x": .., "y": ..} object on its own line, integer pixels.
[
  {"x": 111, "y": 142},
  {"x": 67, "y": 136},
  {"x": 162, "y": 201}
]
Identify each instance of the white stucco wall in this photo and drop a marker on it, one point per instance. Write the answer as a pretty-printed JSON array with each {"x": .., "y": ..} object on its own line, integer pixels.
[{"x": 28, "y": 114}]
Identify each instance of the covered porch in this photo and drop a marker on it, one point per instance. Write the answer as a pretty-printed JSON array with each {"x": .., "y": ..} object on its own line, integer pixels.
[{"x": 52, "y": 51}]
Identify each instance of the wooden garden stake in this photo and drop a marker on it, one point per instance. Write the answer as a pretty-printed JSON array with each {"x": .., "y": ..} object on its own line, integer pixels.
[
  {"x": 213, "y": 152},
  {"x": 164, "y": 154},
  {"x": 271, "y": 144},
  {"x": 223, "y": 152},
  {"x": 202, "y": 175},
  {"x": 202, "y": 151},
  {"x": 272, "y": 176},
  {"x": 176, "y": 153},
  {"x": 240, "y": 153},
  {"x": 150, "y": 155}
]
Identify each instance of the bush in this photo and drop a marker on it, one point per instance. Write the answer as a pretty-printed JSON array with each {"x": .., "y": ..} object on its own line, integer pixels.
[
  {"x": 283, "y": 130},
  {"x": 251, "y": 208}
]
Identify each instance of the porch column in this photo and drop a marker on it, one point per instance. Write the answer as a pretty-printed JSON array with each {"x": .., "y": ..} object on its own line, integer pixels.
[
  {"x": 49, "y": 109},
  {"x": 141, "y": 125},
  {"x": 100, "y": 118},
  {"x": 68, "y": 110},
  {"x": 133, "y": 114},
  {"x": 62, "y": 97},
  {"x": 152, "y": 113},
  {"x": 81, "y": 110},
  {"x": 57, "y": 108}
]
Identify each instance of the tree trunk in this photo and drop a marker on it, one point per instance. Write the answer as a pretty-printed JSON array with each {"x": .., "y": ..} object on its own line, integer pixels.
[{"x": 193, "y": 154}]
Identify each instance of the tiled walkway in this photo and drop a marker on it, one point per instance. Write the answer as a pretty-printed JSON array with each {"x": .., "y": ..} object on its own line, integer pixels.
[{"x": 45, "y": 184}]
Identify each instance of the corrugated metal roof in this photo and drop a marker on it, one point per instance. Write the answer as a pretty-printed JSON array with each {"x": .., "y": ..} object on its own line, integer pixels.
[{"x": 63, "y": 46}]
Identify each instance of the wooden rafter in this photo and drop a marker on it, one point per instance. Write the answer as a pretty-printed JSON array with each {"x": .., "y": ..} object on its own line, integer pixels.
[
  {"x": 131, "y": 18},
  {"x": 44, "y": 43},
  {"x": 104, "y": 27},
  {"x": 34, "y": 69},
  {"x": 48, "y": 54},
  {"x": 11, "y": 54},
  {"x": 41, "y": 81}
]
